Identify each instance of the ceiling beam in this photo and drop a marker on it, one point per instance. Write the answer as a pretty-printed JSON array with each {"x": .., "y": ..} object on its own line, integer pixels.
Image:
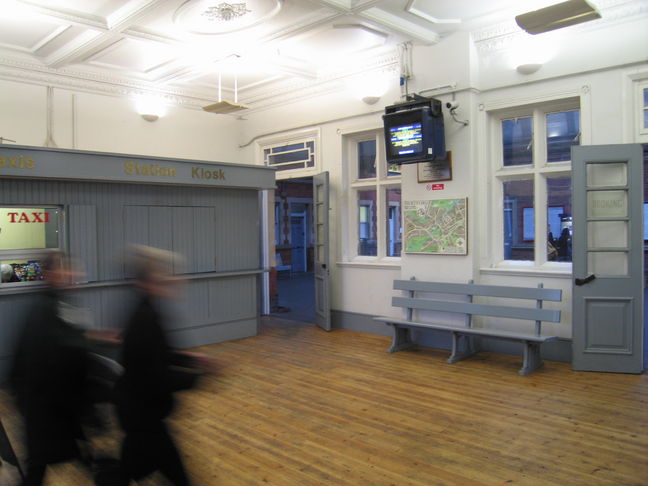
[{"x": 394, "y": 22}]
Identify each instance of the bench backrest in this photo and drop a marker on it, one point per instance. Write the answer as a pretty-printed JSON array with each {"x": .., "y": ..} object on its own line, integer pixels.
[{"x": 429, "y": 303}]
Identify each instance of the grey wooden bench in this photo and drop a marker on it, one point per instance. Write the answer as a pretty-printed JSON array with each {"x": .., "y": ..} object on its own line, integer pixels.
[{"x": 428, "y": 296}]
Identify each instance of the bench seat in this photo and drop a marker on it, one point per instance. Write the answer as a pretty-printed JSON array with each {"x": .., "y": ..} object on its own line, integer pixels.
[{"x": 463, "y": 345}]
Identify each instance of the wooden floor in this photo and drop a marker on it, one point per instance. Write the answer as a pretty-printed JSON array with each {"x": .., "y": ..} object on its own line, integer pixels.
[{"x": 297, "y": 406}]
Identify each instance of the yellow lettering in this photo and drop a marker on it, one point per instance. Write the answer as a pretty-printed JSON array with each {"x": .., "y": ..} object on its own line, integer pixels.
[
  {"x": 19, "y": 162},
  {"x": 128, "y": 168}
]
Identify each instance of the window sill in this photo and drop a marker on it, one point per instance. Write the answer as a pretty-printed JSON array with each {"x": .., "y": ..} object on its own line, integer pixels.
[
  {"x": 388, "y": 264},
  {"x": 555, "y": 270}
]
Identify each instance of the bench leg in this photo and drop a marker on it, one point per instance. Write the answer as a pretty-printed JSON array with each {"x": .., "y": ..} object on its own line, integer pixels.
[
  {"x": 459, "y": 354},
  {"x": 402, "y": 339},
  {"x": 532, "y": 358}
]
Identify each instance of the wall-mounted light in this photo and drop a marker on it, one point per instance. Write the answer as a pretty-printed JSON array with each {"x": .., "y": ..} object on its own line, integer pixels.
[
  {"x": 528, "y": 68},
  {"x": 529, "y": 54},
  {"x": 369, "y": 87},
  {"x": 150, "y": 107}
]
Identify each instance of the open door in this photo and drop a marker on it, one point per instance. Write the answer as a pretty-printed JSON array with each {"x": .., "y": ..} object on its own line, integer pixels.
[
  {"x": 321, "y": 225},
  {"x": 608, "y": 258}
]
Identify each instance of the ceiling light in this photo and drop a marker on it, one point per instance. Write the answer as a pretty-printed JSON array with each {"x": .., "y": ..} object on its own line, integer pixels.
[
  {"x": 223, "y": 107},
  {"x": 557, "y": 16}
]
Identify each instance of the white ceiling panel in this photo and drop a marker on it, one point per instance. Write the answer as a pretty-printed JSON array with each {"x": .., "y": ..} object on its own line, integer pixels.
[
  {"x": 273, "y": 46},
  {"x": 14, "y": 35},
  {"x": 134, "y": 56}
]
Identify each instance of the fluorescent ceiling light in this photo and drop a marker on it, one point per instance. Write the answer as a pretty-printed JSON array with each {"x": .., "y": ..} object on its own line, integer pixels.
[{"x": 557, "y": 16}]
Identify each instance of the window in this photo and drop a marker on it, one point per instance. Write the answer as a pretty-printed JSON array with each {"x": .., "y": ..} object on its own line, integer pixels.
[
  {"x": 533, "y": 172},
  {"x": 290, "y": 156},
  {"x": 644, "y": 109},
  {"x": 375, "y": 200},
  {"x": 25, "y": 233}
]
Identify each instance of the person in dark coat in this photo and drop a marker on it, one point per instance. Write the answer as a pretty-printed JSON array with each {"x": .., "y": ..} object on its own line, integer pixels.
[
  {"x": 48, "y": 375},
  {"x": 144, "y": 393}
]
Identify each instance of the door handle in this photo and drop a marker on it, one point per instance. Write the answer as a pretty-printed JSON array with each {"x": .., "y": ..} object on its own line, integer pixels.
[{"x": 583, "y": 281}]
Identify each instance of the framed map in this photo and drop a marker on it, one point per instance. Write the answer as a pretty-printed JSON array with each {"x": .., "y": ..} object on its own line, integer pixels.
[{"x": 438, "y": 227}]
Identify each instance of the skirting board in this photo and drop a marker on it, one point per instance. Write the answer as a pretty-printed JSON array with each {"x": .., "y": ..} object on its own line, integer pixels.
[
  {"x": 214, "y": 333},
  {"x": 553, "y": 351}
]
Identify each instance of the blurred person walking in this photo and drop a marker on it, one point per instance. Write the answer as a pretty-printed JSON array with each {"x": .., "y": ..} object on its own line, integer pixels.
[
  {"x": 144, "y": 393},
  {"x": 49, "y": 374}
]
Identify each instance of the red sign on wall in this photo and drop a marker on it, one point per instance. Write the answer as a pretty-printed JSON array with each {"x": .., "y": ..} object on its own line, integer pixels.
[{"x": 435, "y": 187}]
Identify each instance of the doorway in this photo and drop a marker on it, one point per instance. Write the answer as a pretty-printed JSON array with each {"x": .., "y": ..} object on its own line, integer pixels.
[{"x": 294, "y": 298}]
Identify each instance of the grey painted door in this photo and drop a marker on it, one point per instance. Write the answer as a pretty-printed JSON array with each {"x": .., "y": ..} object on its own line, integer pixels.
[
  {"x": 608, "y": 258},
  {"x": 321, "y": 222}
]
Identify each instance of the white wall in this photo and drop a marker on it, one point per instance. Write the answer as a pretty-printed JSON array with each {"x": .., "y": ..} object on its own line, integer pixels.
[
  {"x": 481, "y": 78},
  {"x": 94, "y": 122}
]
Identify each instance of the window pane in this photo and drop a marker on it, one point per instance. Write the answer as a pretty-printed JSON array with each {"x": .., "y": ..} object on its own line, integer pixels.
[
  {"x": 29, "y": 228},
  {"x": 287, "y": 148},
  {"x": 559, "y": 219},
  {"x": 20, "y": 270},
  {"x": 394, "y": 227},
  {"x": 282, "y": 158},
  {"x": 367, "y": 159},
  {"x": 517, "y": 137},
  {"x": 519, "y": 220},
  {"x": 563, "y": 131},
  {"x": 367, "y": 243},
  {"x": 394, "y": 170}
]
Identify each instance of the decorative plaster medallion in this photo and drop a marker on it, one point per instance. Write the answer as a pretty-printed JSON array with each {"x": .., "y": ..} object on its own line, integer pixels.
[{"x": 218, "y": 16}]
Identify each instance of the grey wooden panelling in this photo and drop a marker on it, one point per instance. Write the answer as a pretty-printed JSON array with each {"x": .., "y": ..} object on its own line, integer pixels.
[
  {"x": 183, "y": 237},
  {"x": 204, "y": 244},
  {"x": 82, "y": 224},
  {"x": 160, "y": 227},
  {"x": 219, "y": 229}
]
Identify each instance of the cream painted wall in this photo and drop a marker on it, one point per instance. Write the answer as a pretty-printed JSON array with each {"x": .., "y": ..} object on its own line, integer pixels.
[
  {"x": 94, "y": 122},
  {"x": 481, "y": 79},
  {"x": 22, "y": 113}
]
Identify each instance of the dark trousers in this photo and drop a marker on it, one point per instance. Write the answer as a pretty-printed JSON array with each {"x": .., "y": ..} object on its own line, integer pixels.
[
  {"x": 34, "y": 475},
  {"x": 147, "y": 451}
]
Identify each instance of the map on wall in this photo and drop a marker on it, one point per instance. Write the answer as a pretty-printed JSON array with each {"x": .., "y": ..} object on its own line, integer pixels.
[{"x": 436, "y": 227}]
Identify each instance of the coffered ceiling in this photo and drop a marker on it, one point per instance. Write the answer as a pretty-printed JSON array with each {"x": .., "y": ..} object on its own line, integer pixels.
[{"x": 259, "y": 49}]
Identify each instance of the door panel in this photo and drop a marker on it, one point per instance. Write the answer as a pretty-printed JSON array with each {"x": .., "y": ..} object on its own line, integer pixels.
[
  {"x": 608, "y": 258},
  {"x": 321, "y": 222}
]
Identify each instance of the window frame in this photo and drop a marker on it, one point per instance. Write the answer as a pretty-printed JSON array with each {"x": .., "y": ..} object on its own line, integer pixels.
[
  {"x": 641, "y": 109},
  {"x": 381, "y": 183},
  {"x": 301, "y": 136},
  {"x": 539, "y": 171}
]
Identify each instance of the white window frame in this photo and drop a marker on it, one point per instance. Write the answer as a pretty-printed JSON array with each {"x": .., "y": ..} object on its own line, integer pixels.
[
  {"x": 289, "y": 138},
  {"x": 380, "y": 183},
  {"x": 539, "y": 171},
  {"x": 641, "y": 86}
]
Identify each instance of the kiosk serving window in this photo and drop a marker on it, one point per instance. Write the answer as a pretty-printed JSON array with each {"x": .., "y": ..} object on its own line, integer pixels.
[{"x": 24, "y": 233}]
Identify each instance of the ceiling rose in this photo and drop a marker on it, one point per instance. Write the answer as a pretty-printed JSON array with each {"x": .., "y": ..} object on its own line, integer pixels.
[{"x": 218, "y": 17}]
